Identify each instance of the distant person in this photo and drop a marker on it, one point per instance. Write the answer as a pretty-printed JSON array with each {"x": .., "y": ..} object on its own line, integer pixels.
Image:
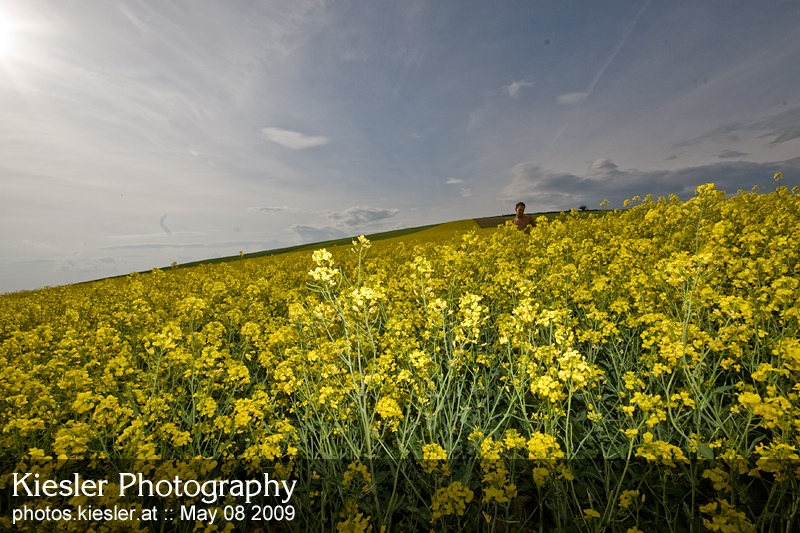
[{"x": 522, "y": 221}]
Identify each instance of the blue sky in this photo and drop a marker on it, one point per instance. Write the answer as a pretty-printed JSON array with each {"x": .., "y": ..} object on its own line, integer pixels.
[{"x": 138, "y": 133}]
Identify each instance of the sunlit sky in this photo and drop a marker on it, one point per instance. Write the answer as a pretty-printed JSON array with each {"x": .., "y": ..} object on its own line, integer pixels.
[{"x": 138, "y": 133}]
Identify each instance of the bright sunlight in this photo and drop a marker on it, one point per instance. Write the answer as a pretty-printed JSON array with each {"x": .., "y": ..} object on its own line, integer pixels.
[{"x": 6, "y": 35}]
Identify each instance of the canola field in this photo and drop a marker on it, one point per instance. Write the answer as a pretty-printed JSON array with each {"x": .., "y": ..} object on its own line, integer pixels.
[{"x": 632, "y": 371}]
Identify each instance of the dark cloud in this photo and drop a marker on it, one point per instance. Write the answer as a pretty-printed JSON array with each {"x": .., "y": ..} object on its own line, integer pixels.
[
  {"x": 544, "y": 189},
  {"x": 782, "y": 127},
  {"x": 343, "y": 223},
  {"x": 728, "y": 154},
  {"x": 788, "y": 135},
  {"x": 358, "y": 215},
  {"x": 718, "y": 134}
]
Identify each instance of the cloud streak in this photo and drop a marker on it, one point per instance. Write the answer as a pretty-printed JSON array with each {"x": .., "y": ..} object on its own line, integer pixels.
[
  {"x": 269, "y": 210},
  {"x": 572, "y": 98},
  {"x": 293, "y": 139},
  {"x": 782, "y": 127}
]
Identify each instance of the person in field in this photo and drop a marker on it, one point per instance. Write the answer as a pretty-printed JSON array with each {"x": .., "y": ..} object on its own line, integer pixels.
[{"x": 522, "y": 221}]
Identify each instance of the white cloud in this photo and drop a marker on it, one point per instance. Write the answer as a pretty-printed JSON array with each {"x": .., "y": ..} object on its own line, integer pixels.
[
  {"x": 516, "y": 87},
  {"x": 293, "y": 139},
  {"x": 466, "y": 193},
  {"x": 572, "y": 98},
  {"x": 603, "y": 168},
  {"x": 454, "y": 181}
]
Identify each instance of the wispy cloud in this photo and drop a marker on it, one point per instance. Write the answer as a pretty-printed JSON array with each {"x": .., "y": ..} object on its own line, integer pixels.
[
  {"x": 515, "y": 88},
  {"x": 720, "y": 134},
  {"x": 572, "y": 98},
  {"x": 454, "y": 181},
  {"x": 784, "y": 126},
  {"x": 269, "y": 210},
  {"x": 475, "y": 118},
  {"x": 293, "y": 139},
  {"x": 781, "y": 127},
  {"x": 31, "y": 244}
]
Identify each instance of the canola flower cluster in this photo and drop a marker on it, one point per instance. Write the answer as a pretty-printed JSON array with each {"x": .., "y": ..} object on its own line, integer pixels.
[{"x": 632, "y": 371}]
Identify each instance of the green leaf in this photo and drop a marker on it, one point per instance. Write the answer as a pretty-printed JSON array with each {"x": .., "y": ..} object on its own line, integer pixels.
[{"x": 705, "y": 452}]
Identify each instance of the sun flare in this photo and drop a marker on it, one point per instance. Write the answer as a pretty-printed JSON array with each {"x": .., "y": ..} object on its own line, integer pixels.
[{"x": 6, "y": 35}]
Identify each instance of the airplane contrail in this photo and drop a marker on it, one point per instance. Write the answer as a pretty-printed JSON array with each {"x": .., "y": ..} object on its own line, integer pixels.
[{"x": 626, "y": 32}]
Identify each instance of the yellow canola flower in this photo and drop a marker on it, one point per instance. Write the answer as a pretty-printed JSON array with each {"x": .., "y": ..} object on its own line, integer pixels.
[
  {"x": 660, "y": 451},
  {"x": 171, "y": 364},
  {"x": 544, "y": 447},
  {"x": 725, "y": 518},
  {"x": 355, "y": 524},
  {"x": 590, "y": 514},
  {"x": 450, "y": 500},
  {"x": 434, "y": 452},
  {"x": 322, "y": 257},
  {"x": 719, "y": 478},
  {"x": 628, "y": 497}
]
